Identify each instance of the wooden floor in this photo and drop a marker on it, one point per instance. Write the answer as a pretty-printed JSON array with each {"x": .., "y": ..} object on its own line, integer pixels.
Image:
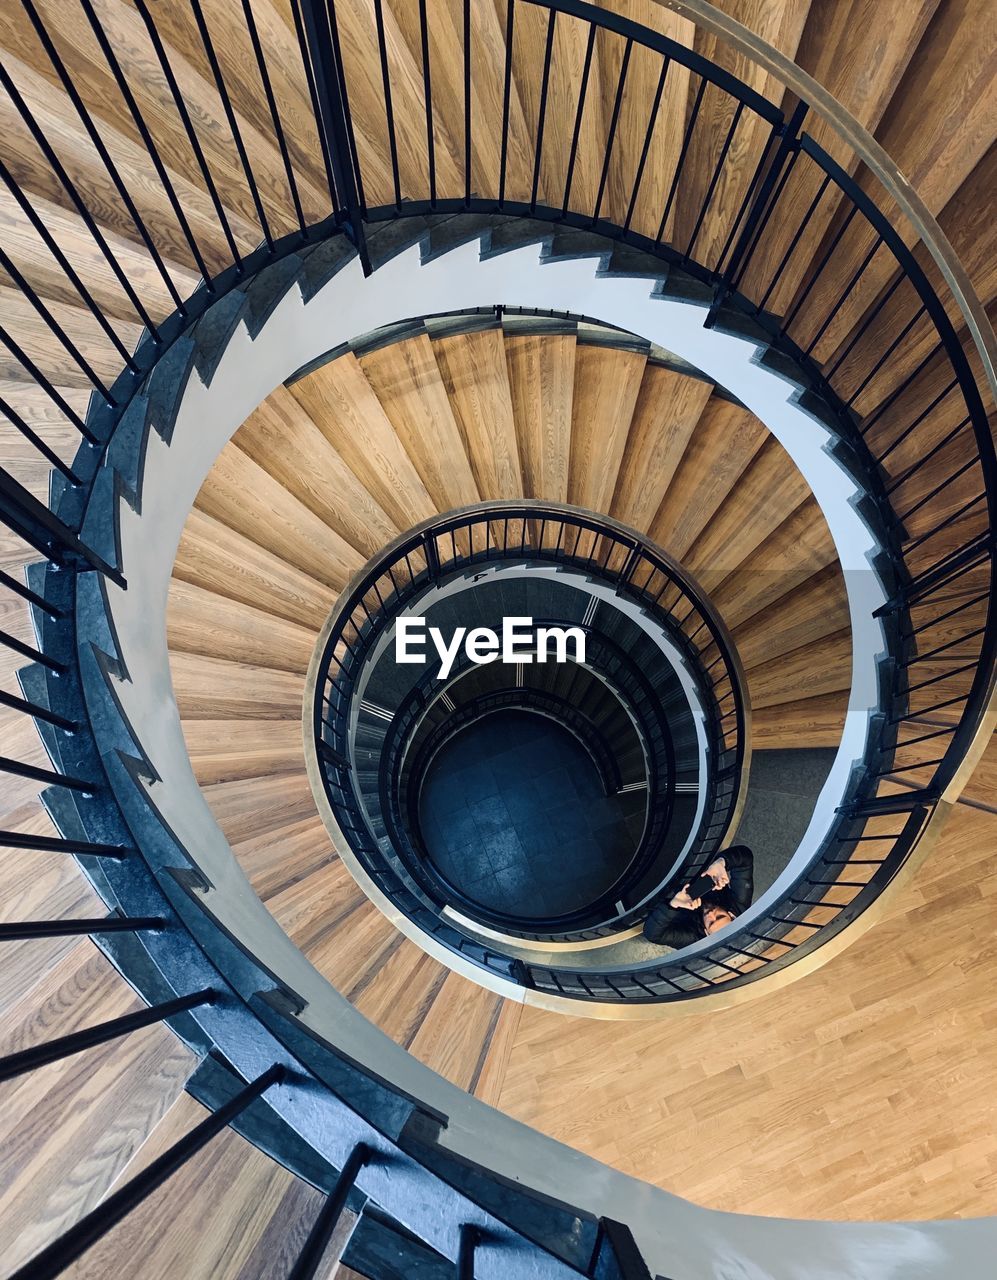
[{"x": 862, "y": 1091}]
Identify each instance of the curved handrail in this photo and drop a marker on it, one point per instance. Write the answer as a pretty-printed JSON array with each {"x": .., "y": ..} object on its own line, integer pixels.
[{"x": 490, "y": 532}]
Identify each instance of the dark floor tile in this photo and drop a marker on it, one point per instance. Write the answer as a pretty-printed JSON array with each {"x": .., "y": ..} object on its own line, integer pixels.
[
  {"x": 490, "y": 814},
  {"x": 458, "y": 828}
]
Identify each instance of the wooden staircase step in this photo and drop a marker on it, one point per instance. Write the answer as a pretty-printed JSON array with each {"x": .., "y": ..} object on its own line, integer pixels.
[
  {"x": 770, "y": 488},
  {"x": 809, "y": 722},
  {"x": 277, "y": 860},
  {"x": 57, "y": 118},
  {"x": 49, "y": 353},
  {"x": 399, "y": 995},
  {"x": 455, "y": 1036},
  {"x": 54, "y": 1171},
  {"x": 406, "y": 380},
  {"x": 726, "y": 439},
  {"x": 202, "y": 622},
  {"x": 229, "y": 1227},
  {"x": 541, "y": 378},
  {"x": 799, "y": 548},
  {"x": 215, "y": 557},
  {"x": 607, "y": 383},
  {"x": 282, "y": 438},
  {"x": 214, "y": 689},
  {"x": 668, "y": 407},
  {"x": 474, "y": 372},
  {"x": 317, "y": 909},
  {"x": 491, "y": 1075},
  {"x": 352, "y": 954},
  {"x": 242, "y": 495},
  {"x": 342, "y": 404},
  {"x": 226, "y": 750},
  {"x": 806, "y": 616},
  {"x": 796, "y": 674},
  {"x": 37, "y": 885},
  {"x": 252, "y": 806}
]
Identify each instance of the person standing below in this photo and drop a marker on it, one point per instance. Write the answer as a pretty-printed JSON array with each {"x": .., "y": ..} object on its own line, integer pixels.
[{"x": 680, "y": 920}]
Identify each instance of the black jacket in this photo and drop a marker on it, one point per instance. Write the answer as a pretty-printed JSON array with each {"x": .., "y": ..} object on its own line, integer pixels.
[{"x": 679, "y": 927}]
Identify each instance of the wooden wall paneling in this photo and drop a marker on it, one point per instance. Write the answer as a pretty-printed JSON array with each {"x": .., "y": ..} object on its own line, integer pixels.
[
  {"x": 345, "y": 408},
  {"x": 541, "y": 378},
  {"x": 607, "y": 383},
  {"x": 474, "y": 372}
]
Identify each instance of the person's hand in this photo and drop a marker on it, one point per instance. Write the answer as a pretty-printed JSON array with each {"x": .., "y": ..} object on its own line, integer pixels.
[
  {"x": 683, "y": 900},
  {"x": 718, "y": 872}
]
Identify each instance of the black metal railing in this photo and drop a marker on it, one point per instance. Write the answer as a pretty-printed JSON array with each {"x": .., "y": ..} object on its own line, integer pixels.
[
  {"x": 537, "y": 534},
  {"x": 410, "y": 743},
  {"x": 808, "y": 240}
]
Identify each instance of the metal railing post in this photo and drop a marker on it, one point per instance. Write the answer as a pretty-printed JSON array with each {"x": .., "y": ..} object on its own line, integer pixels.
[{"x": 334, "y": 119}]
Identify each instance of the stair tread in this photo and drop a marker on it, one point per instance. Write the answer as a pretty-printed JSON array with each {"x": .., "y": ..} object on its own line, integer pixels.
[
  {"x": 230, "y": 1226},
  {"x": 202, "y": 622},
  {"x": 281, "y": 437},
  {"x": 225, "y": 750},
  {"x": 239, "y": 493},
  {"x": 218, "y": 559},
  {"x": 214, "y": 688}
]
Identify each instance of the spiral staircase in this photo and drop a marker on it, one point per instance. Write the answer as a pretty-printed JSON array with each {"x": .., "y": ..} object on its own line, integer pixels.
[{"x": 671, "y": 321}]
